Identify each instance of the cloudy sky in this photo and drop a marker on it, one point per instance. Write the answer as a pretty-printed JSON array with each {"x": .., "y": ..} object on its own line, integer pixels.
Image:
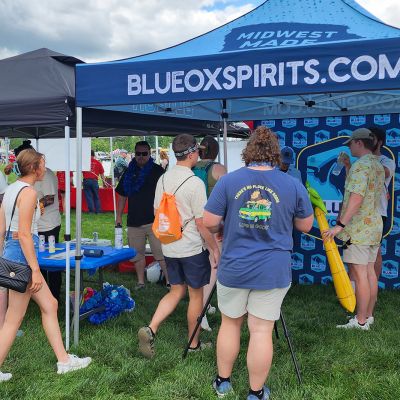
[{"x": 98, "y": 30}]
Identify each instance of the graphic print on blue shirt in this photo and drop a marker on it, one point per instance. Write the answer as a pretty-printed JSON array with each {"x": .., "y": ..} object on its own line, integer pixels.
[{"x": 256, "y": 210}]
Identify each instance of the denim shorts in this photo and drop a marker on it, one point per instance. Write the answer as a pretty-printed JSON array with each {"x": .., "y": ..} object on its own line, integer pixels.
[
  {"x": 194, "y": 270},
  {"x": 13, "y": 251}
]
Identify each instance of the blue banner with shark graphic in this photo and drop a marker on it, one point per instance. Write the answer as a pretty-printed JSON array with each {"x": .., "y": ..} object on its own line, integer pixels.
[{"x": 317, "y": 143}]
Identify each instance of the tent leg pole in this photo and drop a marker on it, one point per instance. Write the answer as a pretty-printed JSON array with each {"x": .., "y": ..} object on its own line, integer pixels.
[
  {"x": 113, "y": 178},
  {"x": 219, "y": 141},
  {"x": 7, "y": 143},
  {"x": 78, "y": 222},
  {"x": 157, "y": 155},
  {"x": 67, "y": 237},
  {"x": 224, "y": 118}
]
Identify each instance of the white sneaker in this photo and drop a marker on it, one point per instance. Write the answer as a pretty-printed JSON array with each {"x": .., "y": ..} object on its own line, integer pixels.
[
  {"x": 4, "y": 377},
  {"x": 354, "y": 324},
  {"x": 370, "y": 320},
  {"x": 204, "y": 324},
  {"x": 211, "y": 310},
  {"x": 73, "y": 364}
]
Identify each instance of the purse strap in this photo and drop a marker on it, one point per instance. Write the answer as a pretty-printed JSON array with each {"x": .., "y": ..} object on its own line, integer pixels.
[{"x": 13, "y": 211}]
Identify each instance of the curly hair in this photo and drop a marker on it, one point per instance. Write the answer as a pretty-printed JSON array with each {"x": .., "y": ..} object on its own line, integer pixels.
[{"x": 263, "y": 146}]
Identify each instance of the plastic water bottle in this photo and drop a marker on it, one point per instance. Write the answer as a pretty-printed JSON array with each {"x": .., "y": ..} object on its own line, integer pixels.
[
  {"x": 42, "y": 240},
  {"x": 337, "y": 169},
  {"x": 119, "y": 243},
  {"x": 52, "y": 244}
]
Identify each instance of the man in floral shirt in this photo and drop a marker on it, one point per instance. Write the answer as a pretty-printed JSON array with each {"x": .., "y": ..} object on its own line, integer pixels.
[{"x": 360, "y": 224}]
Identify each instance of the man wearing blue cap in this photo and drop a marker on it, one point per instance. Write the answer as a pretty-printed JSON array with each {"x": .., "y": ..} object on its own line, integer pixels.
[{"x": 287, "y": 163}]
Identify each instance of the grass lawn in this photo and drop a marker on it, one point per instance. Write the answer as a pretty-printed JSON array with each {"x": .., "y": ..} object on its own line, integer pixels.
[{"x": 335, "y": 364}]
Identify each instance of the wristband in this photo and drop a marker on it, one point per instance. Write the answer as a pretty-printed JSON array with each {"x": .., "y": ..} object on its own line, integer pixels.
[{"x": 340, "y": 224}]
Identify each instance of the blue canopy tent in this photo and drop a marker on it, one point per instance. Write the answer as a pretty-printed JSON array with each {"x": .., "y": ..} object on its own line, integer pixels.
[
  {"x": 268, "y": 62},
  {"x": 286, "y": 58}
]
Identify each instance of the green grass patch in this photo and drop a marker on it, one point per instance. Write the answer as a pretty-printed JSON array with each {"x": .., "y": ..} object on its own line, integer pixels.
[{"x": 335, "y": 364}]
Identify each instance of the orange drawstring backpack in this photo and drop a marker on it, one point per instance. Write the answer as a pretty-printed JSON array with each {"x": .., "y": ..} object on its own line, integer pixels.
[{"x": 167, "y": 225}]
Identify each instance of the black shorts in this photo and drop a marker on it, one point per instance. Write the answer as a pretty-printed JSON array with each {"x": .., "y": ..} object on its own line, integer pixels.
[
  {"x": 194, "y": 270},
  {"x": 384, "y": 219}
]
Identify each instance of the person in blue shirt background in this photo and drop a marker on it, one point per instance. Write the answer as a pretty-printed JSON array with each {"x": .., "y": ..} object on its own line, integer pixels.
[
  {"x": 287, "y": 163},
  {"x": 258, "y": 204}
]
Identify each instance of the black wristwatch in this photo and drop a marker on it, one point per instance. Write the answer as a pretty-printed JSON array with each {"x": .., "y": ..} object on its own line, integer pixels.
[{"x": 340, "y": 224}]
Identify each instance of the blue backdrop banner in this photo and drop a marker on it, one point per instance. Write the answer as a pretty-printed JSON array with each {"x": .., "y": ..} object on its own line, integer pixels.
[{"x": 317, "y": 143}]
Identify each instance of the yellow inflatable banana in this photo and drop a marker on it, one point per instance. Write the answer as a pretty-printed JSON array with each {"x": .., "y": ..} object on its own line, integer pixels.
[{"x": 341, "y": 281}]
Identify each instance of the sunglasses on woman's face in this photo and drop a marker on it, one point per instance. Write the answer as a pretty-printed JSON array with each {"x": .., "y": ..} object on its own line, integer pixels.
[{"x": 141, "y": 153}]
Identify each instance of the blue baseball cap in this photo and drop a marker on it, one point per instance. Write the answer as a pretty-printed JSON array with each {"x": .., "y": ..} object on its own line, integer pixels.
[{"x": 287, "y": 155}]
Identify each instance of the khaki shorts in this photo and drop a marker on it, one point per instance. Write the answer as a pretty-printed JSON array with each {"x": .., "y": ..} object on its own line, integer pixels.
[
  {"x": 137, "y": 240},
  {"x": 264, "y": 304},
  {"x": 360, "y": 254}
]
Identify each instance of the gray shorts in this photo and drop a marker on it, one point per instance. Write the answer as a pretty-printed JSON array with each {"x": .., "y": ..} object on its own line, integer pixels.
[
  {"x": 137, "y": 240},
  {"x": 360, "y": 254},
  {"x": 263, "y": 304},
  {"x": 3, "y": 289}
]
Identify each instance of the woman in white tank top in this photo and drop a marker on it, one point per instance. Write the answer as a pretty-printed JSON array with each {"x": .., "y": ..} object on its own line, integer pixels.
[{"x": 20, "y": 246}]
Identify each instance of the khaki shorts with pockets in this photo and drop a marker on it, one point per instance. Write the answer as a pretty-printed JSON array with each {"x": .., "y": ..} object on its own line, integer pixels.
[
  {"x": 264, "y": 304},
  {"x": 360, "y": 254},
  {"x": 137, "y": 240}
]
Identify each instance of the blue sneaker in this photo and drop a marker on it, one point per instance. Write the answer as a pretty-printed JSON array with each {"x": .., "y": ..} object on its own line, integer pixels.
[
  {"x": 223, "y": 389},
  {"x": 267, "y": 392}
]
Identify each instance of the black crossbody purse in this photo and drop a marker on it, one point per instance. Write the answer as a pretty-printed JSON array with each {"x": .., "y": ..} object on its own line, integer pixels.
[{"x": 14, "y": 275}]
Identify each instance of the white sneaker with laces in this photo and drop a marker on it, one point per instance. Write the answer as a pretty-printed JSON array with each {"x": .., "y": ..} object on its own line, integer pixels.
[
  {"x": 73, "y": 364},
  {"x": 370, "y": 320},
  {"x": 354, "y": 324},
  {"x": 4, "y": 377}
]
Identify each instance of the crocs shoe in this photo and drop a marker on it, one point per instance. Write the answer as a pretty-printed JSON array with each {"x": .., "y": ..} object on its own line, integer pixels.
[
  {"x": 4, "y": 377},
  {"x": 73, "y": 364},
  {"x": 146, "y": 342},
  {"x": 205, "y": 325},
  {"x": 223, "y": 389},
  {"x": 211, "y": 310},
  {"x": 267, "y": 392}
]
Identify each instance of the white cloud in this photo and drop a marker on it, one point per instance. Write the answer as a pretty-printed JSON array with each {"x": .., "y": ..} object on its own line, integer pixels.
[
  {"x": 387, "y": 10},
  {"x": 96, "y": 30}
]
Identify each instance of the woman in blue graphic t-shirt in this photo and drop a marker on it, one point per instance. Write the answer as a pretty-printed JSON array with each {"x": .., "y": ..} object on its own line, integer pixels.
[{"x": 258, "y": 205}]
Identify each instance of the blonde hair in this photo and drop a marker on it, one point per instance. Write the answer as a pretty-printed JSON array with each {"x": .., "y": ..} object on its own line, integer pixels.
[
  {"x": 263, "y": 146},
  {"x": 163, "y": 155},
  {"x": 28, "y": 161}
]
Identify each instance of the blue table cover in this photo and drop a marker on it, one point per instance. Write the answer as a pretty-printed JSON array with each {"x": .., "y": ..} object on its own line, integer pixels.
[{"x": 110, "y": 256}]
